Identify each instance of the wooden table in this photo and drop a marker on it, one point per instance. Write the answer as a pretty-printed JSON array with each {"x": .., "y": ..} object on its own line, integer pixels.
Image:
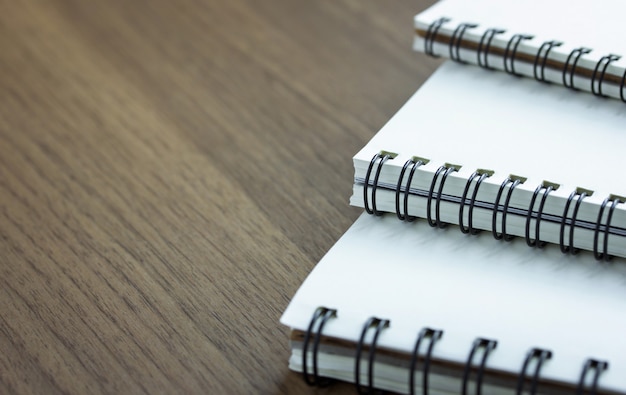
[{"x": 170, "y": 171}]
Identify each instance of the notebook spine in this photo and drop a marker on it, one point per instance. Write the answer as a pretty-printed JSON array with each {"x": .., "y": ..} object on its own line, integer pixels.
[
  {"x": 534, "y": 353},
  {"x": 316, "y": 326},
  {"x": 377, "y": 325},
  {"x": 480, "y": 350},
  {"x": 511, "y": 182},
  {"x": 444, "y": 171},
  {"x": 501, "y": 207},
  {"x": 479, "y": 176},
  {"x": 578, "y": 194},
  {"x": 510, "y": 54},
  {"x": 433, "y": 335}
]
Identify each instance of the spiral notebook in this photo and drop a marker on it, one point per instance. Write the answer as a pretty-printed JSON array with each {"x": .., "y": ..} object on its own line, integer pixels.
[
  {"x": 434, "y": 289},
  {"x": 574, "y": 43},
  {"x": 492, "y": 317},
  {"x": 509, "y": 156}
]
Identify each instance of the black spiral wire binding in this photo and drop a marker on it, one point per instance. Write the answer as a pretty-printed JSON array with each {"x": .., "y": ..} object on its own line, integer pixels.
[
  {"x": 431, "y": 34},
  {"x": 581, "y": 194},
  {"x": 548, "y": 45},
  {"x": 511, "y": 51},
  {"x": 378, "y": 324},
  {"x": 488, "y": 346},
  {"x": 604, "y": 62},
  {"x": 621, "y": 88},
  {"x": 319, "y": 319},
  {"x": 413, "y": 163},
  {"x": 481, "y": 175},
  {"x": 456, "y": 39},
  {"x": 598, "y": 367},
  {"x": 614, "y": 200},
  {"x": 446, "y": 169},
  {"x": 535, "y": 353},
  {"x": 322, "y": 315},
  {"x": 575, "y": 55},
  {"x": 381, "y": 158},
  {"x": 513, "y": 181},
  {"x": 484, "y": 45},
  {"x": 547, "y": 188},
  {"x": 434, "y": 335}
]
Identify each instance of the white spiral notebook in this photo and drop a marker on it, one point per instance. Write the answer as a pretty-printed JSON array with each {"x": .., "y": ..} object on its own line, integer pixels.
[
  {"x": 511, "y": 298},
  {"x": 490, "y": 257},
  {"x": 575, "y": 43},
  {"x": 551, "y": 160}
]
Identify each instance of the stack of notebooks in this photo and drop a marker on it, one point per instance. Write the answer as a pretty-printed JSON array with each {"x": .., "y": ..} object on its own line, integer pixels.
[{"x": 490, "y": 254}]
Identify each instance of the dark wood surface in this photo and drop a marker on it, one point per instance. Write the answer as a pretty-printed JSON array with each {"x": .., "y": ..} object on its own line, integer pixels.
[{"x": 170, "y": 171}]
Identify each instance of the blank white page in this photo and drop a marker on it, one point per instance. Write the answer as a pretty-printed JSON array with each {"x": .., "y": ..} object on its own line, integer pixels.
[{"x": 481, "y": 119}]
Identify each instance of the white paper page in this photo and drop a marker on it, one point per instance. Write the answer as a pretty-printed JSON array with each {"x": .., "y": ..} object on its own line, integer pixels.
[
  {"x": 480, "y": 119},
  {"x": 470, "y": 287}
]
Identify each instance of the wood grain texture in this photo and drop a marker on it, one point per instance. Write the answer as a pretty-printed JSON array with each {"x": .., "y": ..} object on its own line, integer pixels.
[{"x": 169, "y": 174}]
